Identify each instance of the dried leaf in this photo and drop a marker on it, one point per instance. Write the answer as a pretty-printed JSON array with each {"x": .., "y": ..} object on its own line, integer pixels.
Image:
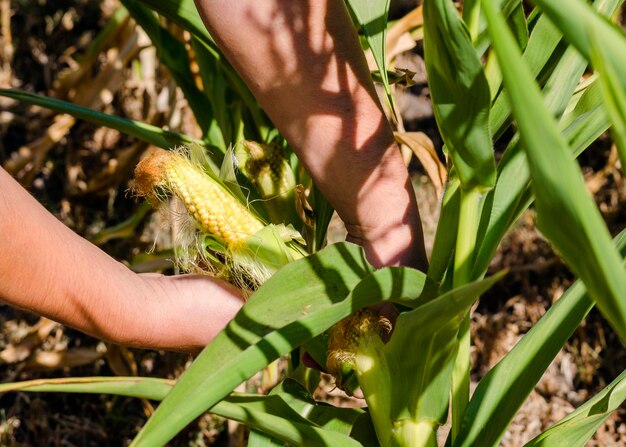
[
  {"x": 424, "y": 150},
  {"x": 21, "y": 351},
  {"x": 66, "y": 359},
  {"x": 399, "y": 37}
]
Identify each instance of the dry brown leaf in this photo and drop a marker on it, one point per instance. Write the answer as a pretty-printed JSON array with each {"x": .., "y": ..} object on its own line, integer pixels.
[
  {"x": 65, "y": 359},
  {"x": 26, "y": 162},
  {"x": 424, "y": 150},
  {"x": 399, "y": 37},
  {"x": 121, "y": 360},
  {"x": 23, "y": 162},
  {"x": 21, "y": 351},
  {"x": 598, "y": 179}
]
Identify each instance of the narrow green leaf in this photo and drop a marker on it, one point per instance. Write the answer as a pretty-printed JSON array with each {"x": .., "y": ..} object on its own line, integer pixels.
[
  {"x": 287, "y": 414},
  {"x": 372, "y": 17},
  {"x": 422, "y": 349},
  {"x": 542, "y": 46},
  {"x": 512, "y": 195},
  {"x": 139, "y": 387},
  {"x": 561, "y": 196},
  {"x": 142, "y": 131},
  {"x": 185, "y": 14},
  {"x": 573, "y": 17},
  {"x": 273, "y": 415},
  {"x": 482, "y": 42},
  {"x": 274, "y": 321},
  {"x": 614, "y": 93},
  {"x": 445, "y": 237},
  {"x": 519, "y": 26},
  {"x": 505, "y": 387},
  {"x": 543, "y": 49},
  {"x": 460, "y": 93},
  {"x": 298, "y": 399},
  {"x": 173, "y": 54},
  {"x": 579, "y": 426}
]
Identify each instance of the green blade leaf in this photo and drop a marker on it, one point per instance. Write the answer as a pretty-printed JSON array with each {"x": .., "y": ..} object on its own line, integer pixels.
[
  {"x": 173, "y": 54},
  {"x": 422, "y": 349},
  {"x": 142, "y": 131},
  {"x": 577, "y": 427},
  {"x": 321, "y": 425},
  {"x": 185, "y": 14},
  {"x": 567, "y": 215},
  {"x": 572, "y": 17},
  {"x": 506, "y": 386},
  {"x": 542, "y": 50},
  {"x": 139, "y": 387},
  {"x": 460, "y": 93},
  {"x": 325, "y": 416},
  {"x": 445, "y": 237},
  {"x": 512, "y": 195},
  {"x": 372, "y": 17},
  {"x": 614, "y": 93},
  {"x": 274, "y": 321}
]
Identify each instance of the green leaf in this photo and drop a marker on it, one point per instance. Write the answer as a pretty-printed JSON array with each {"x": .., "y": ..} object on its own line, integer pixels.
[
  {"x": 541, "y": 47},
  {"x": 372, "y": 17},
  {"x": 542, "y": 50},
  {"x": 288, "y": 414},
  {"x": 274, "y": 321},
  {"x": 422, "y": 349},
  {"x": 512, "y": 195},
  {"x": 574, "y": 17},
  {"x": 506, "y": 386},
  {"x": 460, "y": 93},
  {"x": 323, "y": 415},
  {"x": 185, "y": 14},
  {"x": 577, "y": 427},
  {"x": 142, "y": 131},
  {"x": 567, "y": 215},
  {"x": 508, "y": 8},
  {"x": 445, "y": 237},
  {"x": 614, "y": 93},
  {"x": 139, "y": 387},
  {"x": 173, "y": 54}
]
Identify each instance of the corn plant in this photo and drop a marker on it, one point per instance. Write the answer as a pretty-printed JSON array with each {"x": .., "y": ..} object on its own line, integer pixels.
[{"x": 491, "y": 69}]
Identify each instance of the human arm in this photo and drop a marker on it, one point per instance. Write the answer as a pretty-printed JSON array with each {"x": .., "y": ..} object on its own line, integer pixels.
[
  {"x": 303, "y": 62},
  {"x": 48, "y": 269}
]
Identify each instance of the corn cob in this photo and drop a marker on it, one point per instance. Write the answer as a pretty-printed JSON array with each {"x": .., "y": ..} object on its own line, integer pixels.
[
  {"x": 266, "y": 166},
  {"x": 355, "y": 344},
  {"x": 214, "y": 209},
  {"x": 267, "y": 160}
]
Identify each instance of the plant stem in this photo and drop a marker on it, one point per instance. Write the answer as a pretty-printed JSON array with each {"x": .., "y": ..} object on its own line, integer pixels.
[
  {"x": 466, "y": 236},
  {"x": 408, "y": 433},
  {"x": 465, "y": 245},
  {"x": 373, "y": 374}
]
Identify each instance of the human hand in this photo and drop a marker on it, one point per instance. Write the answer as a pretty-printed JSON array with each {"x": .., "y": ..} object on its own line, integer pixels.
[{"x": 182, "y": 313}]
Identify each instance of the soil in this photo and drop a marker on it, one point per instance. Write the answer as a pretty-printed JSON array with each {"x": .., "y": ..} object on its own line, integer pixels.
[{"x": 83, "y": 176}]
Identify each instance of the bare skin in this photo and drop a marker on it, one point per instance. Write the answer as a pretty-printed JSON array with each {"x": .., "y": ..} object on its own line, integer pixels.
[{"x": 303, "y": 62}]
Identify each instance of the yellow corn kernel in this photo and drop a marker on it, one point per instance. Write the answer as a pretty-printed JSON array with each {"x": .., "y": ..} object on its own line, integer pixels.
[{"x": 215, "y": 210}]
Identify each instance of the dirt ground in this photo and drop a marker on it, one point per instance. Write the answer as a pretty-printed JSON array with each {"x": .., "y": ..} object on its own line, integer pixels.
[{"x": 81, "y": 174}]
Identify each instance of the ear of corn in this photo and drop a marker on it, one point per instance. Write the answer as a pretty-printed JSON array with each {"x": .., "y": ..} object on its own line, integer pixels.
[
  {"x": 251, "y": 251},
  {"x": 266, "y": 166},
  {"x": 355, "y": 345},
  {"x": 215, "y": 210}
]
